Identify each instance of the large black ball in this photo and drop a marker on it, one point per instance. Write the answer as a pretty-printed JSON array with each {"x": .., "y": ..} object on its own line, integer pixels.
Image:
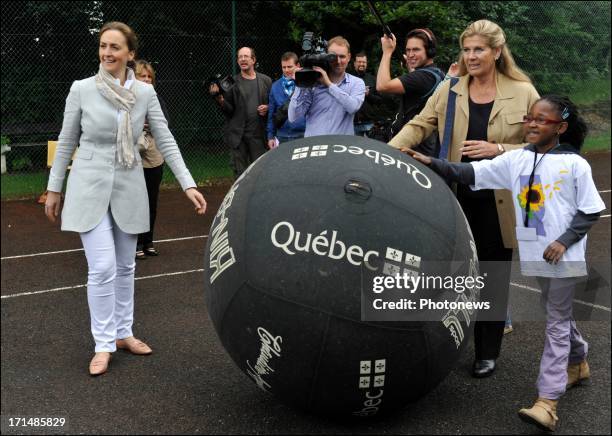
[{"x": 293, "y": 252}]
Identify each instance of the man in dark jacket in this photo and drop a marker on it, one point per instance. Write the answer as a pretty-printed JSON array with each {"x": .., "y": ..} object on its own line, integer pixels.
[
  {"x": 245, "y": 107},
  {"x": 364, "y": 119}
]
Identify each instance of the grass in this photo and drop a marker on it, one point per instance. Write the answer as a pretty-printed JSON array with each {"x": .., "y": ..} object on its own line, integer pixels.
[
  {"x": 597, "y": 143},
  {"x": 591, "y": 91},
  {"x": 23, "y": 185},
  {"x": 589, "y": 96}
]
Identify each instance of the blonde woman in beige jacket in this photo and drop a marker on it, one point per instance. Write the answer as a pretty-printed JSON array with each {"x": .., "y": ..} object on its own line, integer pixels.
[
  {"x": 493, "y": 95},
  {"x": 106, "y": 196}
]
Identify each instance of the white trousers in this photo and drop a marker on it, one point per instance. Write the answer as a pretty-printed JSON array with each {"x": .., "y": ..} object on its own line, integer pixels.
[{"x": 111, "y": 262}]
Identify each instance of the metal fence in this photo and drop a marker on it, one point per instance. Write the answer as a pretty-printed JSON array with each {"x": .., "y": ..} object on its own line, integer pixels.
[{"x": 47, "y": 45}]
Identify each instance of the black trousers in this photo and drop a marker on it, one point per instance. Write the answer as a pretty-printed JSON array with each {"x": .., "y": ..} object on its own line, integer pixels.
[
  {"x": 153, "y": 178},
  {"x": 248, "y": 151},
  {"x": 481, "y": 214}
]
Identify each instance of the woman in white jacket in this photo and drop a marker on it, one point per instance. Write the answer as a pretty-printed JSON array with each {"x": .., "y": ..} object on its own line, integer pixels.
[{"x": 106, "y": 196}]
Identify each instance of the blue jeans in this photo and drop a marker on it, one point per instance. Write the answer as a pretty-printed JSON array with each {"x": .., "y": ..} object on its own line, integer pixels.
[{"x": 361, "y": 129}]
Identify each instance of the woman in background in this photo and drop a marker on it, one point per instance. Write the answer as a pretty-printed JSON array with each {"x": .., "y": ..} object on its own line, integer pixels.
[{"x": 152, "y": 163}]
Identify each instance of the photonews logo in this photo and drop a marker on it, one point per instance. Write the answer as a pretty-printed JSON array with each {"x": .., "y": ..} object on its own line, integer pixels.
[{"x": 322, "y": 150}]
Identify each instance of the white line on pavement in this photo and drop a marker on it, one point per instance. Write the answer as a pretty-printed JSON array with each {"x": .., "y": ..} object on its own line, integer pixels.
[
  {"x": 66, "y": 288},
  {"x": 586, "y": 303},
  {"x": 80, "y": 249}
]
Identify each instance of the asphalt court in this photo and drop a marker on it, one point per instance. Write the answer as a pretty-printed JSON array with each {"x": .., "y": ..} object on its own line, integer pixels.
[{"x": 190, "y": 385}]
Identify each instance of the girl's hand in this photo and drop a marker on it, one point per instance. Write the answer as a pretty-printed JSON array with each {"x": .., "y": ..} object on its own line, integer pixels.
[
  {"x": 52, "y": 205},
  {"x": 554, "y": 252},
  {"x": 479, "y": 149},
  {"x": 197, "y": 199},
  {"x": 417, "y": 156}
]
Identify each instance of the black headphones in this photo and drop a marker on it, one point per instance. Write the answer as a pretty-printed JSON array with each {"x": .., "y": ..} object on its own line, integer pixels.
[{"x": 430, "y": 46}]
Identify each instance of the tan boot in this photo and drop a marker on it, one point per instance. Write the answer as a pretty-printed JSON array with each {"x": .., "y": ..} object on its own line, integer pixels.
[
  {"x": 99, "y": 363},
  {"x": 577, "y": 373},
  {"x": 542, "y": 414}
]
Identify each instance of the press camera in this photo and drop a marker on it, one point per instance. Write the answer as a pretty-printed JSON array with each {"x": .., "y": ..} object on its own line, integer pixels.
[{"x": 315, "y": 55}]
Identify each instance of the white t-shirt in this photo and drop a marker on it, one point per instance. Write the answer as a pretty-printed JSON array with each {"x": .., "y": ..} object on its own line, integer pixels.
[{"x": 563, "y": 185}]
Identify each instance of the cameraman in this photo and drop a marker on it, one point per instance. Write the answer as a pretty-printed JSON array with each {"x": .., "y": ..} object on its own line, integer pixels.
[
  {"x": 245, "y": 106},
  {"x": 279, "y": 96},
  {"x": 329, "y": 108},
  {"x": 416, "y": 86}
]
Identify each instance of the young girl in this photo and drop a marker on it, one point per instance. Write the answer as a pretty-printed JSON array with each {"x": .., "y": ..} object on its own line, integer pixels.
[{"x": 556, "y": 204}]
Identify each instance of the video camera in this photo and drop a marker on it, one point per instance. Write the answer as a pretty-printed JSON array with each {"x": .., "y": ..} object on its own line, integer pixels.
[
  {"x": 225, "y": 84},
  {"x": 315, "y": 54}
]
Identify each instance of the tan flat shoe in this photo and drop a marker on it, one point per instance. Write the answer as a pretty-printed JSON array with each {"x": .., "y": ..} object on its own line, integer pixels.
[
  {"x": 134, "y": 346},
  {"x": 99, "y": 363}
]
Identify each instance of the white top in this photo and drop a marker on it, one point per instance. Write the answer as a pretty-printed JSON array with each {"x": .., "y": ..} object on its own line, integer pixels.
[{"x": 562, "y": 185}]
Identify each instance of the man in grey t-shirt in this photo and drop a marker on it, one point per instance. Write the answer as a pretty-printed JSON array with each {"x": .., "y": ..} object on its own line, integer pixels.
[{"x": 245, "y": 107}]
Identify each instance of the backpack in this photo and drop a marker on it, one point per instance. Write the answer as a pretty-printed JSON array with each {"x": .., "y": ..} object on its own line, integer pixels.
[{"x": 401, "y": 118}]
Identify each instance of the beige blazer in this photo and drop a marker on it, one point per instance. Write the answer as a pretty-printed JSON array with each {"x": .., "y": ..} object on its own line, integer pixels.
[
  {"x": 96, "y": 180},
  {"x": 513, "y": 100}
]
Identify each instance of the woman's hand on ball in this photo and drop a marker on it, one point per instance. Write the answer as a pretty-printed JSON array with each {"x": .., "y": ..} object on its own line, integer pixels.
[
  {"x": 417, "y": 156},
  {"x": 197, "y": 199}
]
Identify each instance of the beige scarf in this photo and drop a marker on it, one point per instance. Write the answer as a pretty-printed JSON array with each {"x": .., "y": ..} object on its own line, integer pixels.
[{"x": 123, "y": 99}]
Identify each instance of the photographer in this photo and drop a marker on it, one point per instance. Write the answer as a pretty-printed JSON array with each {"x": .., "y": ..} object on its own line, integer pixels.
[
  {"x": 416, "y": 86},
  {"x": 245, "y": 106},
  {"x": 329, "y": 108},
  {"x": 364, "y": 119},
  {"x": 279, "y": 99}
]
